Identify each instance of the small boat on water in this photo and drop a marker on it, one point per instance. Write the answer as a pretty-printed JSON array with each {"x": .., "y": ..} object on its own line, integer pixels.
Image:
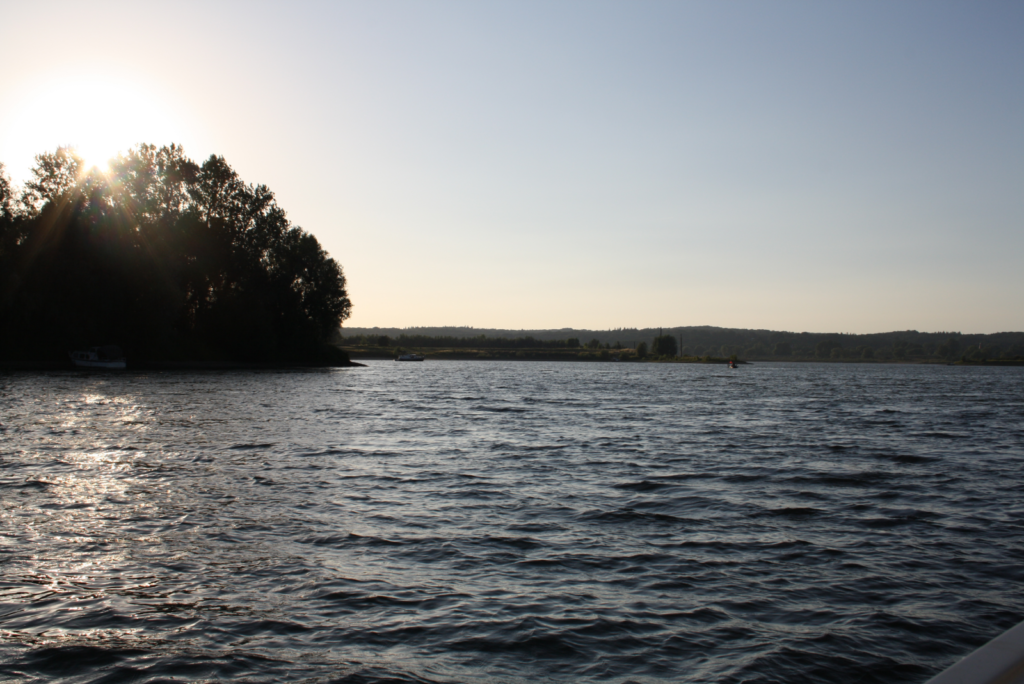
[
  {"x": 411, "y": 357},
  {"x": 109, "y": 357}
]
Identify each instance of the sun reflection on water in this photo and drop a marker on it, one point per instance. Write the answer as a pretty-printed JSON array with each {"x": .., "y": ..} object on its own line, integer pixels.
[{"x": 86, "y": 488}]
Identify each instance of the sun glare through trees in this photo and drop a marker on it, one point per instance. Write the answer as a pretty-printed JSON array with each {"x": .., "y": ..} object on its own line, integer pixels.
[{"x": 172, "y": 260}]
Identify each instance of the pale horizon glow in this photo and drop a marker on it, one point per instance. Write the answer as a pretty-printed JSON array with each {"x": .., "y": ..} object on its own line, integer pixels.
[{"x": 854, "y": 167}]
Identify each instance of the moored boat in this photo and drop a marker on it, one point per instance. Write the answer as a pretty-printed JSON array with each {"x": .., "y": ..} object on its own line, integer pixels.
[
  {"x": 108, "y": 357},
  {"x": 411, "y": 357}
]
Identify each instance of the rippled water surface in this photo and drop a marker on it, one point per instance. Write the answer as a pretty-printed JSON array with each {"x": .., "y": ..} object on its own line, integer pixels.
[{"x": 510, "y": 522}]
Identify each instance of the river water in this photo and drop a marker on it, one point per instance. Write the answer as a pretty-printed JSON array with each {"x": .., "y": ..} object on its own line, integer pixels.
[{"x": 509, "y": 522}]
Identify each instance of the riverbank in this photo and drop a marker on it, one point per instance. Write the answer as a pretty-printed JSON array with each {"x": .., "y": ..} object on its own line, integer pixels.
[
  {"x": 329, "y": 357},
  {"x": 627, "y": 355},
  {"x": 176, "y": 366},
  {"x": 613, "y": 355}
]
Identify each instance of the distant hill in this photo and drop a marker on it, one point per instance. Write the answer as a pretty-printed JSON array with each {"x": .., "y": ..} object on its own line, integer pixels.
[{"x": 746, "y": 343}]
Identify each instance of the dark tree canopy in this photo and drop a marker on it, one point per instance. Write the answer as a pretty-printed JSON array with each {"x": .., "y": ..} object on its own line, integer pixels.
[
  {"x": 171, "y": 260},
  {"x": 664, "y": 345}
]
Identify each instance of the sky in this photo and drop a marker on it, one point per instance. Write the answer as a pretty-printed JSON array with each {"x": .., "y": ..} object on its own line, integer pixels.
[{"x": 807, "y": 166}]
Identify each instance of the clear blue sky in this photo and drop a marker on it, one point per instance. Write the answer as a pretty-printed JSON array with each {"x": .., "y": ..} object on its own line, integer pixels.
[{"x": 823, "y": 166}]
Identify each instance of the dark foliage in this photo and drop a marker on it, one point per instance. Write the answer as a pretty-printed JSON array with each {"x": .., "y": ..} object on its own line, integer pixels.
[
  {"x": 171, "y": 260},
  {"x": 664, "y": 345},
  {"x": 824, "y": 349},
  {"x": 446, "y": 342},
  {"x": 909, "y": 345}
]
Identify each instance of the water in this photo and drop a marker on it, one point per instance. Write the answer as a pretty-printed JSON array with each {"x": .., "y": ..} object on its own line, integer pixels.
[{"x": 509, "y": 522}]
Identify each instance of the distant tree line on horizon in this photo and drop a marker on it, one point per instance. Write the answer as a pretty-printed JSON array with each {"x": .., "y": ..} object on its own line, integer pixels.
[
  {"x": 707, "y": 341},
  {"x": 167, "y": 258},
  {"x": 476, "y": 342}
]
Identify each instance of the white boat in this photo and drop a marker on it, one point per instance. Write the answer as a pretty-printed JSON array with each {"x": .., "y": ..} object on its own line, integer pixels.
[
  {"x": 410, "y": 357},
  {"x": 109, "y": 357}
]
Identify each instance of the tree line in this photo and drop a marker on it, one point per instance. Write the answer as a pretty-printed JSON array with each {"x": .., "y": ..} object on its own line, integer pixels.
[
  {"x": 170, "y": 259},
  {"x": 663, "y": 347},
  {"x": 450, "y": 342},
  {"x": 709, "y": 341},
  {"x": 420, "y": 341}
]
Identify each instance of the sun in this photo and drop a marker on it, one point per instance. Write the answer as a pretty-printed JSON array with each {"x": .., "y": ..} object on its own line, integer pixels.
[
  {"x": 95, "y": 155},
  {"x": 98, "y": 117}
]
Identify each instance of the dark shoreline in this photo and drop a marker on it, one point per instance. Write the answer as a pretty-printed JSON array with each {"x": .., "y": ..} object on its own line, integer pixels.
[
  {"x": 177, "y": 366},
  {"x": 502, "y": 355},
  {"x": 235, "y": 365}
]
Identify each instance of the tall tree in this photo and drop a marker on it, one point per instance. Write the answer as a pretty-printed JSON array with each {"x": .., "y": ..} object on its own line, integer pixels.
[
  {"x": 664, "y": 345},
  {"x": 53, "y": 176},
  {"x": 168, "y": 258}
]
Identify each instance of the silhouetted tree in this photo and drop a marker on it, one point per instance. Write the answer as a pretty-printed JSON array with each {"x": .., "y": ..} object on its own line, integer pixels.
[
  {"x": 53, "y": 177},
  {"x": 7, "y": 198},
  {"x": 664, "y": 345},
  {"x": 11, "y": 235},
  {"x": 169, "y": 259}
]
